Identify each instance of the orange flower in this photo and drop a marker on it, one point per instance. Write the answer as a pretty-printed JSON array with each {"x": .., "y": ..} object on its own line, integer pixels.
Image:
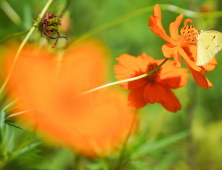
[
  {"x": 156, "y": 87},
  {"x": 92, "y": 124},
  {"x": 181, "y": 45}
]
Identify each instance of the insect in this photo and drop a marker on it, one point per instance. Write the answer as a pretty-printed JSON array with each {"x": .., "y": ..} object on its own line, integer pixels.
[
  {"x": 209, "y": 43},
  {"x": 49, "y": 25}
]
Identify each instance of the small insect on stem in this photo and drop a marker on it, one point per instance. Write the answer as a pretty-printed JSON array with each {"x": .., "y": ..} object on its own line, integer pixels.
[{"x": 49, "y": 25}]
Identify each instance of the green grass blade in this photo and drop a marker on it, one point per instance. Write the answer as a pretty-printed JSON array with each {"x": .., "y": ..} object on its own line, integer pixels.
[{"x": 149, "y": 147}]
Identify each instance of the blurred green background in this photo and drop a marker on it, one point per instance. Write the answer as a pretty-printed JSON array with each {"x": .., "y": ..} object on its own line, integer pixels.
[{"x": 201, "y": 113}]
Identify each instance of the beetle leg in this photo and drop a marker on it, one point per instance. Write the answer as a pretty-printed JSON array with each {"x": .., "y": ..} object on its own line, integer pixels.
[{"x": 58, "y": 37}]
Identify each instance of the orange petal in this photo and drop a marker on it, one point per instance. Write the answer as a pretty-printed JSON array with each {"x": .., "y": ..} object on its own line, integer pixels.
[
  {"x": 136, "y": 98},
  {"x": 191, "y": 51},
  {"x": 129, "y": 67},
  {"x": 172, "y": 104},
  {"x": 201, "y": 80},
  {"x": 211, "y": 65},
  {"x": 188, "y": 60},
  {"x": 156, "y": 25},
  {"x": 174, "y": 26},
  {"x": 172, "y": 76},
  {"x": 186, "y": 21},
  {"x": 79, "y": 57},
  {"x": 154, "y": 92},
  {"x": 83, "y": 126},
  {"x": 170, "y": 50},
  {"x": 51, "y": 95}
]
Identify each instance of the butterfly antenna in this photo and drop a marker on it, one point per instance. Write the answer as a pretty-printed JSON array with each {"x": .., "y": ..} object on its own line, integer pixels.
[
  {"x": 210, "y": 28},
  {"x": 203, "y": 22}
]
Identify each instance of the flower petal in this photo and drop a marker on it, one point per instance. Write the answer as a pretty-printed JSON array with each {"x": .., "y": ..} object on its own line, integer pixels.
[
  {"x": 136, "y": 98},
  {"x": 172, "y": 104},
  {"x": 154, "y": 92},
  {"x": 211, "y": 65},
  {"x": 156, "y": 25},
  {"x": 201, "y": 80},
  {"x": 188, "y": 60},
  {"x": 186, "y": 21},
  {"x": 170, "y": 50},
  {"x": 174, "y": 26},
  {"x": 172, "y": 76},
  {"x": 191, "y": 51},
  {"x": 80, "y": 121},
  {"x": 129, "y": 67}
]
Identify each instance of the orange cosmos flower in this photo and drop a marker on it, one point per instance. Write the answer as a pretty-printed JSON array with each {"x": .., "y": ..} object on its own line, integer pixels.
[
  {"x": 181, "y": 45},
  {"x": 156, "y": 87},
  {"x": 92, "y": 124}
]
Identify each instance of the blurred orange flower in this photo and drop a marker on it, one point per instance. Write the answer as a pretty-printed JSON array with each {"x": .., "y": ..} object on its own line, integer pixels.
[
  {"x": 181, "y": 45},
  {"x": 156, "y": 87},
  {"x": 92, "y": 124}
]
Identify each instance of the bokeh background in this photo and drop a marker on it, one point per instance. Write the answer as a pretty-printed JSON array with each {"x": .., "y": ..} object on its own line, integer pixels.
[{"x": 190, "y": 139}]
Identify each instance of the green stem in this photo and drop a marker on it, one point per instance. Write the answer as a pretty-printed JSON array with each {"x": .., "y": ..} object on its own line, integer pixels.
[
  {"x": 127, "y": 80},
  {"x": 190, "y": 13},
  {"x": 13, "y": 35},
  {"x": 22, "y": 45},
  {"x": 113, "y": 23},
  {"x": 142, "y": 11}
]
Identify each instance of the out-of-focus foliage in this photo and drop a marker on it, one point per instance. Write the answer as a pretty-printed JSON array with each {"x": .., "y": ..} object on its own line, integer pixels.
[{"x": 186, "y": 140}]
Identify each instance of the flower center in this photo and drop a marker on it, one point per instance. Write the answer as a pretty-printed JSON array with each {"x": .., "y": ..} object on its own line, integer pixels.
[
  {"x": 190, "y": 33},
  {"x": 154, "y": 75}
]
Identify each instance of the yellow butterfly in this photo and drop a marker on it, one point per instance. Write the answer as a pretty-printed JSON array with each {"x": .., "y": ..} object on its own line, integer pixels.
[{"x": 209, "y": 43}]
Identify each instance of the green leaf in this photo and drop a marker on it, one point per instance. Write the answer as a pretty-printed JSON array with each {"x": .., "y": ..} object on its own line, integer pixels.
[
  {"x": 11, "y": 143},
  {"x": 2, "y": 119},
  {"x": 26, "y": 149},
  {"x": 149, "y": 147}
]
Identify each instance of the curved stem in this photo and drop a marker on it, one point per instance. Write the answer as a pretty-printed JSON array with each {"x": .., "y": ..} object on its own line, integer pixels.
[
  {"x": 190, "y": 13},
  {"x": 127, "y": 80},
  {"x": 142, "y": 11},
  {"x": 22, "y": 45},
  {"x": 13, "y": 35},
  {"x": 113, "y": 23}
]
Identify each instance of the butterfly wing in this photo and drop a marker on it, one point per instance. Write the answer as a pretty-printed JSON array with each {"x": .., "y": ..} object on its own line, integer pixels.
[{"x": 209, "y": 43}]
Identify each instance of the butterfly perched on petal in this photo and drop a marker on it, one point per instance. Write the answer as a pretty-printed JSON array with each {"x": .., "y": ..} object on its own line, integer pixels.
[{"x": 209, "y": 43}]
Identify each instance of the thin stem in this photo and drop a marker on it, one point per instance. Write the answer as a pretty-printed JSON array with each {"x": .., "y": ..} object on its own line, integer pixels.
[
  {"x": 142, "y": 11},
  {"x": 127, "y": 80},
  {"x": 13, "y": 35},
  {"x": 22, "y": 45},
  {"x": 16, "y": 114},
  {"x": 190, "y": 13},
  {"x": 114, "y": 23},
  {"x": 45, "y": 8}
]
